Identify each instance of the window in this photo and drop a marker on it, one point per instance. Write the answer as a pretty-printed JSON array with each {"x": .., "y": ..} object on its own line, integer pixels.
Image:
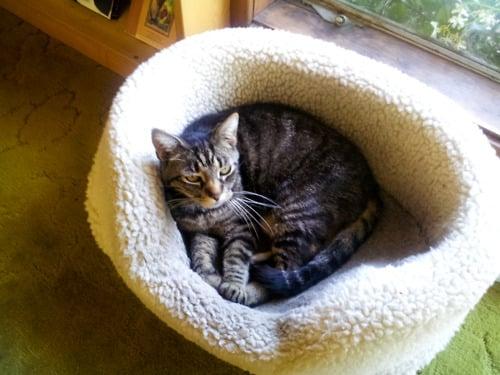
[
  {"x": 467, "y": 31},
  {"x": 475, "y": 93}
]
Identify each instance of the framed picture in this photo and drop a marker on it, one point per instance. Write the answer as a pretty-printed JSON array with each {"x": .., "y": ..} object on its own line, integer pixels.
[
  {"x": 162, "y": 22},
  {"x": 156, "y": 22}
]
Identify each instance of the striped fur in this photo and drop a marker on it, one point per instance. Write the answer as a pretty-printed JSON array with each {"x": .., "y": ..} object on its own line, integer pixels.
[
  {"x": 272, "y": 179},
  {"x": 325, "y": 262}
]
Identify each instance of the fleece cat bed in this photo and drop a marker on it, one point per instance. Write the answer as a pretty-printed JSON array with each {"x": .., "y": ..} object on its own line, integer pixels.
[{"x": 400, "y": 299}]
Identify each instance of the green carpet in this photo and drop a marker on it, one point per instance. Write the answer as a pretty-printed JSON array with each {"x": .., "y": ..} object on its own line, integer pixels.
[{"x": 63, "y": 308}]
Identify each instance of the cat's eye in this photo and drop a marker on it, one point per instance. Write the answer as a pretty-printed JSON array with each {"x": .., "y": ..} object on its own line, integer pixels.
[
  {"x": 225, "y": 170},
  {"x": 194, "y": 179}
]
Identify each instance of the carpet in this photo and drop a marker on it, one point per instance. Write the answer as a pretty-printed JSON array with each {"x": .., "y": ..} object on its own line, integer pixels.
[{"x": 63, "y": 308}]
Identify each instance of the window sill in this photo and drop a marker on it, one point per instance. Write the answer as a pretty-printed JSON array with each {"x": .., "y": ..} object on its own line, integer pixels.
[{"x": 477, "y": 94}]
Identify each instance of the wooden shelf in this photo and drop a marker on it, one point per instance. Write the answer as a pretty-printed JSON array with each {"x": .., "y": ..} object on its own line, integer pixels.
[{"x": 105, "y": 41}]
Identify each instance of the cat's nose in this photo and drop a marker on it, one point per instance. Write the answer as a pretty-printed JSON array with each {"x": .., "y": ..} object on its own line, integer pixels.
[
  {"x": 214, "y": 195},
  {"x": 213, "y": 192}
]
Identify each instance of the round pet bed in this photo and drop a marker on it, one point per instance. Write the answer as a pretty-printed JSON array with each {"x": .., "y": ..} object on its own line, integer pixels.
[{"x": 402, "y": 296}]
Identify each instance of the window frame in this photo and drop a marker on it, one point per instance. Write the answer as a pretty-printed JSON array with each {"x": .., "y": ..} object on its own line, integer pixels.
[{"x": 364, "y": 17}]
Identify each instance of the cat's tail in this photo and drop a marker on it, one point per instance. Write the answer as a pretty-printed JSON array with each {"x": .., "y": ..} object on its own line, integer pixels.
[{"x": 323, "y": 264}]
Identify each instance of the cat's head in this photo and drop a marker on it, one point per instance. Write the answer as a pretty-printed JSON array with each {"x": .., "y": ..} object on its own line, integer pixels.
[{"x": 205, "y": 172}]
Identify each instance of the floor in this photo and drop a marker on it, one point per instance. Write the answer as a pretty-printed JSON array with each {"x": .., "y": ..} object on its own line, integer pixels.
[{"x": 63, "y": 308}]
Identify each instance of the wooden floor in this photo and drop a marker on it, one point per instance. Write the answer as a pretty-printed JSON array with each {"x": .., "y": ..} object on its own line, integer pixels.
[{"x": 478, "y": 94}]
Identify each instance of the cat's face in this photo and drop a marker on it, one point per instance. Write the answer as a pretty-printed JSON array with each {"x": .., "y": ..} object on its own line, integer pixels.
[{"x": 205, "y": 173}]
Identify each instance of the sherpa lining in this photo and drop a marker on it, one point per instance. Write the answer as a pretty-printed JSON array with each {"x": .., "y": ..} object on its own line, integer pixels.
[{"x": 401, "y": 298}]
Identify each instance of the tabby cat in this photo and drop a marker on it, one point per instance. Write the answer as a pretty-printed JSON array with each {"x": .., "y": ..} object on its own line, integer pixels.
[{"x": 267, "y": 185}]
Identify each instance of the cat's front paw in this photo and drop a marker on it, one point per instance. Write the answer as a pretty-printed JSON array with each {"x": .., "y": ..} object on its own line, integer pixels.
[{"x": 233, "y": 292}]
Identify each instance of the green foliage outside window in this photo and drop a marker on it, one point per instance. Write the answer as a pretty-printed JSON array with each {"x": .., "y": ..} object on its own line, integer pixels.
[{"x": 469, "y": 27}]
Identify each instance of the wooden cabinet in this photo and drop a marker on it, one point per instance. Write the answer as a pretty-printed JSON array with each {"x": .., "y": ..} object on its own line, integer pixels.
[{"x": 116, "y": 44}]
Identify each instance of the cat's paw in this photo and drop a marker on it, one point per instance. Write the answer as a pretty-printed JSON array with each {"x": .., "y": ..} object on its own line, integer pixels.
[
  {"x": 213, "y": 280},
  {"x": 233, "y": 292},
  {"x": 256, "y": 294}
]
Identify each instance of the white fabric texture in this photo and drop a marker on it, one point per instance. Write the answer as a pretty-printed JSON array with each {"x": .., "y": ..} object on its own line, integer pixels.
[{"x": 403, "y": 295}]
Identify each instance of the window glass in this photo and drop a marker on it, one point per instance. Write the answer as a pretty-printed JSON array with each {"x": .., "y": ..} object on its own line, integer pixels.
[{"x": 470, "y": 28}]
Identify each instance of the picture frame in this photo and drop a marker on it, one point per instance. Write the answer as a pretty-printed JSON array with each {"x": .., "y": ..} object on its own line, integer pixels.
[{"x": 155, "y": 22}]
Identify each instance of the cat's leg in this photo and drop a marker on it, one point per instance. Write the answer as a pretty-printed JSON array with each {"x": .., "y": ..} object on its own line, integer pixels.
[
  {"x": 238, "y": 250},
  {"x": 287, "y": 256},
  {"x": 204, "y": 251},
  {"x": 300, "y": 226},
  {"x": 296, "y": 240}
]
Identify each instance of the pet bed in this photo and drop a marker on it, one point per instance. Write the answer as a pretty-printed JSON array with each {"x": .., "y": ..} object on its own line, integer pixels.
[{"x": 400, "y": 298}]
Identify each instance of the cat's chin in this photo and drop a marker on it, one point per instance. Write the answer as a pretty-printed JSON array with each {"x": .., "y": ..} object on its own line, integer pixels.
[
  {"x": 209, "y": 203},
  {"x": 211, "y": 206}
]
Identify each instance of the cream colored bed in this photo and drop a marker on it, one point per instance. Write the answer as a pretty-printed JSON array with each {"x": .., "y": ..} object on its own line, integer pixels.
[{"x": 401, "y": 298}]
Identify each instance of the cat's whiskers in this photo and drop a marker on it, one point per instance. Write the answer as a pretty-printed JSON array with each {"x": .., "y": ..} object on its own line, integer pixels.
[
  {"x": 245, "y": 193},
  {"x": 259, "y": 216},
  {"x": 176, "y": 200},
  {"x": 247, "y": 217},
  {"x": 239, "y": 211},
  {"x": 173, "y": 207},
  {"x": 249, "y": 214},
  {"x": 174, "y": 203},
  {"x": 251, "y": 201}
]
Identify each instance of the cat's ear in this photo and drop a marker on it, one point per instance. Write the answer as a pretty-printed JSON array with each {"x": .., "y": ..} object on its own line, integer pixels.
[
  {"x": 226, "y": 133},
  {"x": 165, "y": 144}
]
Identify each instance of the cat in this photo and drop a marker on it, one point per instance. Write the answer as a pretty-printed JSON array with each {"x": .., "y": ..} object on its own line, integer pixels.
[{"x": 262, "y": 175}]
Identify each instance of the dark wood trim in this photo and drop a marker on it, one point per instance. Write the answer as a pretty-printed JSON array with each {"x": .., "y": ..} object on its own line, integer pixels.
[
  {"x": 244, "y": 11},
  {"x": 241, "y": 12}
]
